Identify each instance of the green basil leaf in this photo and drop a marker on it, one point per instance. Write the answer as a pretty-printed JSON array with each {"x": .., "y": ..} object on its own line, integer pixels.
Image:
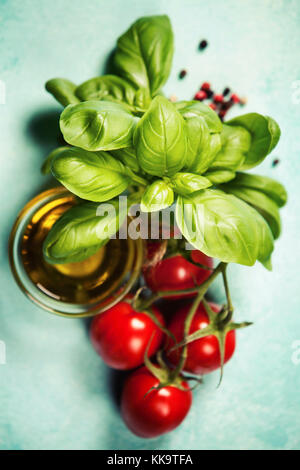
[
  {"x": 112, "y": 88},
  {"x": 97, "y": 125},
  {"x": 188, "y": 183},
  {"x": 275, "y": 132},
  {"x": 266, "y": 241},
  {"x": 128, "y": 157},
  {"x": 189, "y": 109},
  {"x": 95, "y": 177},
  {"x": 99, "y": 88},
  {"x": 268, "y": 186},
  {"x": 81, "y": 231},
  {"x": 46, "y": 167},
  {"x": 144, "y": 53},
  {"x": 235, "y": 143},
  {"x": 219, "y": 176},
  {"x": 160, "y": 139},
  {"x": 265, "y": 134},
  {"x": 63, "y": 91},
  {"x": 203, "y": 128},
  {"x": 157, "y": 196},
  {"x": 220, "y": 225},
  {"x": 198, "y": 139},
  {"x": 208, "y": 154},
  {"x": 261, "y": 202},
  {"x": 142, "y": 100}
]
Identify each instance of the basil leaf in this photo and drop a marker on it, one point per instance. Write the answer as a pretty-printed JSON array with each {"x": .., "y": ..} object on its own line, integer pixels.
[
  {"x": 190, "y": 109},
  {"x": 207, "y": 155},
  {"x": 63, "y": 90},
  {"x": 157, "y": 196},
  {"x": 46, "y": 167},
  {"x": 219, "y": 176},
  {"x": 198, "y": 137},
  {"x": 266, "y": 241},
  {"x": 95, "y": 177},
  {"x": 188, "y": 183},
  {"x": 265, "y": 134},
  {"x": 128, "y": 157},
  {"x": 275, "y": 132},
  {"x": 144, "y": 53},
  {"x": 220, "y": 225},
  {"x": 268, "y": 186},
  {"x": 80, "y": 232},
  {"x": 112, "y": 88},
  {"x": 261, "y": 202},
  {"x": 97, "y": 125},
  {"x": 235, "y": 143},
  {"x": 142, "y": 100},
  {"x": 160, "y": 139},
  {"x": 203, "y": 127}
]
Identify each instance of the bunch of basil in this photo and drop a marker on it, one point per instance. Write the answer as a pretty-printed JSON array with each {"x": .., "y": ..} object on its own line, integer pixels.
[{"x": 122, "y": 131}]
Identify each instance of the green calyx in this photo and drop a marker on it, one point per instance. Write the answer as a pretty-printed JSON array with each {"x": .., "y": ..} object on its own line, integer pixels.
[{"x": 220, "y": 323}]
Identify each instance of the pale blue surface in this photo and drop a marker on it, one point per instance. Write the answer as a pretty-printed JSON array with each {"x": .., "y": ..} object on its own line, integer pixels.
[{"x": 54, "y": 390}]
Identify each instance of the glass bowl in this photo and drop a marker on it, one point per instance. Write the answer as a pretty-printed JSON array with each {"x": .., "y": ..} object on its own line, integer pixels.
[{"x": 75, "y": 289}]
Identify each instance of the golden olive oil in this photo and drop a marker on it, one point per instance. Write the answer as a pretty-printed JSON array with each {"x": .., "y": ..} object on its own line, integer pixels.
[{"x": 86, "y": 282}]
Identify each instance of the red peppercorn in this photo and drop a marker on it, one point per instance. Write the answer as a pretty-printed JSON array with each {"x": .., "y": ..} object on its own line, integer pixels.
[
  {"x": 218, "y": 98},
  {"x": 205, "y": 86},
  {"x": 182, "y": 74},
  {"x": 235, "y": 98},
  {"x": 212, "y": 106},
  {"x": 200, "y": 95}
]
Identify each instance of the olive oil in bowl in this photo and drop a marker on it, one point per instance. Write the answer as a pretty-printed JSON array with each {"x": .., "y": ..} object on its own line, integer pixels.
[{"x": 74, "y": 289}]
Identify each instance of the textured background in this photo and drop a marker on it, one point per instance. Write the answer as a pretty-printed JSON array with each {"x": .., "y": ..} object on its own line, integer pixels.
[{"x": 54, "y": 390}]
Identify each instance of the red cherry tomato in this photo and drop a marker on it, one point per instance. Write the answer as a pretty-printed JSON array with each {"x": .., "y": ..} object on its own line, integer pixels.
[
  {"x": 154, "y": 413},
  {"x": 176, "y": 273},
  {"x": 204, "y": 353},
  {"x": 121, "y": 335}
]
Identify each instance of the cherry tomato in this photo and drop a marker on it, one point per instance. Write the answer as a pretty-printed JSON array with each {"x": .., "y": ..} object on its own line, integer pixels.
[
  {"x": 176, "y": 273},
  {"x": 204, "y": 353},
  {"x": 154, "y": 413},
  {"x": 121, "y": 335}
]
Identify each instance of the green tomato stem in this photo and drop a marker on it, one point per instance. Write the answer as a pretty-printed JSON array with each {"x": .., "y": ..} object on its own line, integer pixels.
[{"x": 188, "y": 321}]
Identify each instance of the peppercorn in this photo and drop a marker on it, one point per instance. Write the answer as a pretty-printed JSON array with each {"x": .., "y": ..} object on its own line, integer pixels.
[
  {"x": 218, "y": 98},
  {"x": 226, "y": 105},
  {"x": 212, "y": 106},
  {"x": 226, "y": 91},
  {"x": 182, "y": 74},
  {"x": 275, "y": 162},
  {"x": 203, "y": 44},
  {"x": 243, "y": 101},
  {"x": 200, "y": 95},
  {"x": 205, "y": 86},
  {"x": 235, "y": 98}
]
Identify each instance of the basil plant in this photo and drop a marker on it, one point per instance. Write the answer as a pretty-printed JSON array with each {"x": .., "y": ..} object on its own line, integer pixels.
[{"x": 123, "y": 135}]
